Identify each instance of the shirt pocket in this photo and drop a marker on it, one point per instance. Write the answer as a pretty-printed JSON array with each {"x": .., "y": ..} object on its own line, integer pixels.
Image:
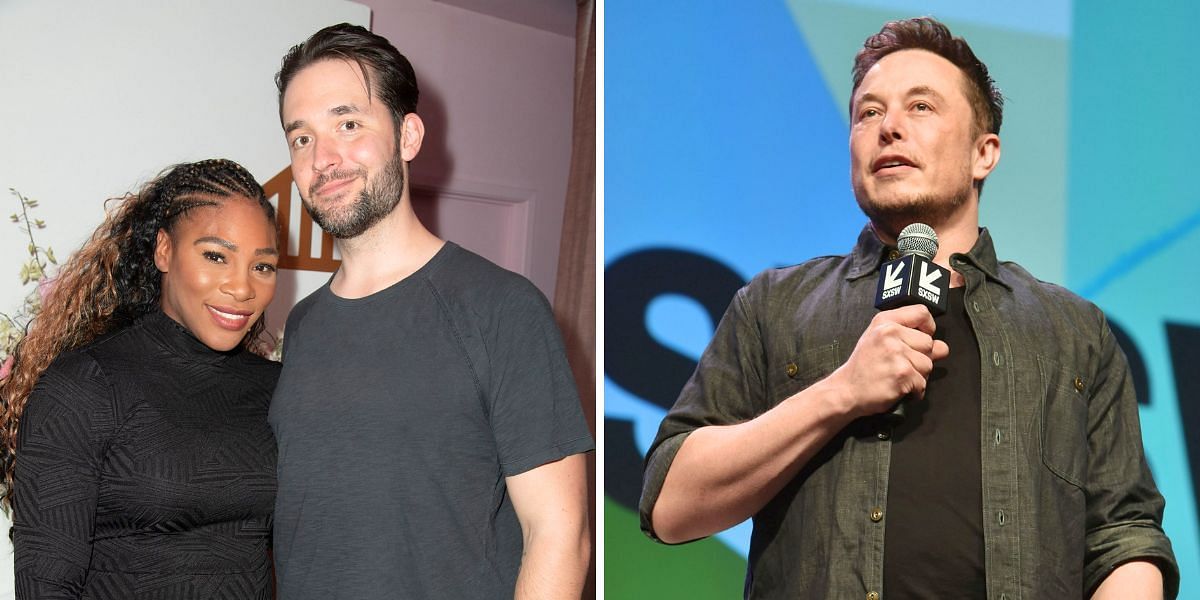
[
  {"x": 1064, "y": 418},
  {"x": 801, "y": 368}
]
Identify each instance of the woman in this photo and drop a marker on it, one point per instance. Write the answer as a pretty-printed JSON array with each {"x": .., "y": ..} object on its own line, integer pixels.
[{"x": 138, "y": 457}]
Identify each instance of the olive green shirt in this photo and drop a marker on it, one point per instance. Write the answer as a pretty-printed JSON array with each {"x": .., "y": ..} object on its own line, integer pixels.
[{"x": 1067, "y": 494}]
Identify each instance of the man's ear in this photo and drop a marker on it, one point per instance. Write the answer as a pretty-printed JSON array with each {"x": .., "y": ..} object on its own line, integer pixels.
[
  {"x": 412, "y": 133},
  {"x": 987, "y": 155},
  {"x": 163, "y": 248}
]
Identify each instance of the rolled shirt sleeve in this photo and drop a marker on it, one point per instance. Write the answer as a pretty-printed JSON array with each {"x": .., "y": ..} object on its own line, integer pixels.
[
  {"x": 1124, "y": 508},
  {"x": 727, "y": 387}
]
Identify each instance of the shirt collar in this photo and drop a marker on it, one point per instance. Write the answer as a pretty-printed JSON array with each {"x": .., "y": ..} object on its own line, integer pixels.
[
  {"x": 176, "y": 339},
  {"x": 870, "y": 253}
]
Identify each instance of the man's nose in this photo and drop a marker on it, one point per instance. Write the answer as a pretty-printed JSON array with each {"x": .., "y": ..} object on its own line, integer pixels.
[
  {"x": 326, "y": 155},
  {"x": 892, "y": 128}
]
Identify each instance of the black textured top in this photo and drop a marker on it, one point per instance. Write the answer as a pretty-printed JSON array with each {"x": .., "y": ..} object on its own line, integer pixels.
[{"x": 146, "y": 469}]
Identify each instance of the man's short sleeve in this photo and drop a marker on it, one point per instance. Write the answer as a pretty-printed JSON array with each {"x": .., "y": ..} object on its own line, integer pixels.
[{"x": 534, "y": 408}]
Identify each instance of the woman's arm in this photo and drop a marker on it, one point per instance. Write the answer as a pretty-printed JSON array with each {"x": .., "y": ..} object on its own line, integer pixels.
[{"x": 56, "y": 483}]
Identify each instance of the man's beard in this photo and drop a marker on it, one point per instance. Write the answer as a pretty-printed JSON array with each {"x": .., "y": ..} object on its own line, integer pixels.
[
  {"x": 377, "y": 200},
  {"x": 892, "y": 217}
]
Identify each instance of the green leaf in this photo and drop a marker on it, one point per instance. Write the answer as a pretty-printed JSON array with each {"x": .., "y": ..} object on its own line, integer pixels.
[
  {"x": 32, "y": 249},
  {"x": 50, "y": 256},
  {"x": 40, "y": 223}
]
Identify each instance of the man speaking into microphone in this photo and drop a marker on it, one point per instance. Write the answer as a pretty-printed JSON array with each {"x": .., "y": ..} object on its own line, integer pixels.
[{"x": 991, "y": 450}]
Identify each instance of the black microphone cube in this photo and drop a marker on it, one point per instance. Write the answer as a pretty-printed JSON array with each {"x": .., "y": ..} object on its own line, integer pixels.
[{"x": 913, "y": 279}]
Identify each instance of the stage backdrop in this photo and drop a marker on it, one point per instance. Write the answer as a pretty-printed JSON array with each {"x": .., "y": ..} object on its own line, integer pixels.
[{"x": 726, "y": 154}]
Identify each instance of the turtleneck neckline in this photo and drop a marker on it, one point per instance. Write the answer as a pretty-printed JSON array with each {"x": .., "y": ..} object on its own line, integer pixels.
[{"x": 180, "y": 341}]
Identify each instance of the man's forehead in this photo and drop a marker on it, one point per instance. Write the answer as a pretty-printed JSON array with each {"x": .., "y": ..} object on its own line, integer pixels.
[
  {"x": 328, "y": 79},
  {"x": 911, "y": 70}
]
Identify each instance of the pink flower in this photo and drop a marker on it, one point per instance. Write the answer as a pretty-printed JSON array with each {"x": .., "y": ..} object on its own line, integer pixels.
[
  {"x": 6, "y": 368},
  {"x": 46, "y": 287}
]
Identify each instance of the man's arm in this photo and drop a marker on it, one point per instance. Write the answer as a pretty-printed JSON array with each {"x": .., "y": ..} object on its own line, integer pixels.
[
  {"x": 1134, "y": 580},
  {"x": 551, "y": 504},
  {"x": 1124, "y": 507},
  {"x": 724, "y": 474}
]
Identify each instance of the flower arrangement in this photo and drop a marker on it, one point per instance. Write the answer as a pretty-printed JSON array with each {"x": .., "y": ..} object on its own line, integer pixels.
[{"x": 35, "y": 271}]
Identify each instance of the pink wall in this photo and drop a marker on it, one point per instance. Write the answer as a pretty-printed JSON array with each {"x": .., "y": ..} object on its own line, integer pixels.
[{"x": 496, "y": 98}]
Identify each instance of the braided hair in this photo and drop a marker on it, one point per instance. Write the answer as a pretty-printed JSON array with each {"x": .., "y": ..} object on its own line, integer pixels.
[{"x": 112, "y": 280}]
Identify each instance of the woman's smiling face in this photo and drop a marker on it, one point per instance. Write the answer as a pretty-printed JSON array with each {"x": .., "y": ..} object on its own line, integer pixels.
[{"x": 218, "y": 270}]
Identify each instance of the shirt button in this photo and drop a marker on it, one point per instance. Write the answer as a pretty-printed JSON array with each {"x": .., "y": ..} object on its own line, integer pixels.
[
  {"x": 877, "y": 515},
  {"x": 872, "y": 595},
  {"x": 893, "y": 254},
  {"x": 997, "y": 359},
  {"x": 792, "y": 369},
  {"x": 883, "y": 435},
  {"x": 1078, "y": 384}
]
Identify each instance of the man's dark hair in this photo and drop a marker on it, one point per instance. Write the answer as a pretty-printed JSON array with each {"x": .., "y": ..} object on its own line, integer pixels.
[
  {"x": 387, "y": 73},
  {"x": 927, "y": 33}
]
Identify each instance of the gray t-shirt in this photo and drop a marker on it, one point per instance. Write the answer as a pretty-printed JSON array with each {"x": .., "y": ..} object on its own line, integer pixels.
[{"x": 398, "y": 417}]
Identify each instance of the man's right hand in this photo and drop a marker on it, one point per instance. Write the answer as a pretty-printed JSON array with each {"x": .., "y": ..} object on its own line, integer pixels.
[
  {"x": 723, "y": 474},
  {"x": 891, "y": 360}
]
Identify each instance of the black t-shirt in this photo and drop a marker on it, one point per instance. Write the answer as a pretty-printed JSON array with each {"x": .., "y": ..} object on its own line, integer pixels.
[
  {"x": 933, "y": 544},
  {"x": 399, "y": 416}
]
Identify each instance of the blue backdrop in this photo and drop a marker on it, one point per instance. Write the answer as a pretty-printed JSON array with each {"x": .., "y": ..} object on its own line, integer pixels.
[{"x": 726, "y": 153}]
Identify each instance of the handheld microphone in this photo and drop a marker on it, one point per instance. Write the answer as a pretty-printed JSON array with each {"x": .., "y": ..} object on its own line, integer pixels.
[{"x": 913, "y": 279}]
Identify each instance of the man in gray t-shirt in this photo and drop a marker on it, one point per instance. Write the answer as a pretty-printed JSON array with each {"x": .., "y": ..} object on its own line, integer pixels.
[{"x": 430, "y": 437}]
